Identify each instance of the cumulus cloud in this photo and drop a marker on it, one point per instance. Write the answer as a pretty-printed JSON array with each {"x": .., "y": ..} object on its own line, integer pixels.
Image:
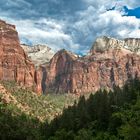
[
  {"x": 110, "y": 23},
  {"x": 72, "y": 25},
  {"x": 132, "y": 3},
  {"x": 44, "y": 31},
  {"x": 110, "y": 3},
  {"x": 17, "y": 3},
  {"x": 93, "y": 23}
]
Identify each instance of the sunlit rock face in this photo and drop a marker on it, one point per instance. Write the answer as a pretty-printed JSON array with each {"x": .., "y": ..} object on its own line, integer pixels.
[
  {"x": 14, "y": 63},
  {"x": 104, "y": 43},
  {"x": 39, "y": 54},
  {"x": 111, "y": 63}
]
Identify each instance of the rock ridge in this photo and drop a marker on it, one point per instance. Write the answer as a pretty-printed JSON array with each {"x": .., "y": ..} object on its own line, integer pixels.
[
  {"x": 104, "y": 68},
  {"x": 39, "y": 54},
  {"x": 111, "y": 62},
  {"x": 104, "y": 43}
]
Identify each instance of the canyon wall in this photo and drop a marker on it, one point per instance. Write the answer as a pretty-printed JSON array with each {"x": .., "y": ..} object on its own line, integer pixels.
[
  {"x": 14, "y": 63},
  {"x": 111, "y": 63}
]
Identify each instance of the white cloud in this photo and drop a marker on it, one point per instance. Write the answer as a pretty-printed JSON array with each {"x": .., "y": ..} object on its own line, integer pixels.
[
  {"x": 111, "y": 3},
  {"x": 93, "y": 23},
  {"x": 44, "y": 31},
  {"x": 132, "y": 3},
  {"x": 78, "y": 32},
  {"x": 51, "y": 33},
  {"x": 17, "y": 3}
]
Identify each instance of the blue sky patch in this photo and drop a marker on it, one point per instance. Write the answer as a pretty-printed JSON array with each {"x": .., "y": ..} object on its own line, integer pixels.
[{"x": 132, "y": 12}]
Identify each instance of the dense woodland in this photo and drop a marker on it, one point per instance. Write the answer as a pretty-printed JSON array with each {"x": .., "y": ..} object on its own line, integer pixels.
[{"x": 113, "y": 115}]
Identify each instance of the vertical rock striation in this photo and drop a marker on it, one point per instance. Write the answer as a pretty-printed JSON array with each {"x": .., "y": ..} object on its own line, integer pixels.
[
  {"x": 111, "y": 63},
  {"x": 14, "y": 64}
]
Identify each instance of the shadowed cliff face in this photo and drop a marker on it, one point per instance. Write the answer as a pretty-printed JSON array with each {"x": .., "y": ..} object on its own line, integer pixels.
[
  {"x": 60, "y": 67},
  {"x": 14, "y": 64},
  {"x": 43, "y": 82},
  {"x": 110, "y": 63}
]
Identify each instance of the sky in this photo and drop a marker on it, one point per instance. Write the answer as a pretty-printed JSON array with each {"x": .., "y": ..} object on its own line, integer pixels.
[{"x": 71, "y": 24}]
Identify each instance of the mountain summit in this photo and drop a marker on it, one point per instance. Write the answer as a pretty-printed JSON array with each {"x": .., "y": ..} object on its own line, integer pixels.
[
  {"x": 104, "y": 43},
  {"x": 39, "y": 54}
]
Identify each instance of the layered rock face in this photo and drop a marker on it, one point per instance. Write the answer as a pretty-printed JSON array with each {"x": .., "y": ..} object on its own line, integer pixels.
[
  {"x": 111, "y": 63},
  {"x": 14, "y": 64},
  {"x": 104, "y": 43},
  {"x": 59, "y": 72},
  {"x": 39, "y": 54}
]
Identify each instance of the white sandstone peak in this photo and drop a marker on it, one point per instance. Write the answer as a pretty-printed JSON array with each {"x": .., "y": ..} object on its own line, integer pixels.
[
  {"x": 39, "y": 54},
  {"x": 104, "y": 43}
]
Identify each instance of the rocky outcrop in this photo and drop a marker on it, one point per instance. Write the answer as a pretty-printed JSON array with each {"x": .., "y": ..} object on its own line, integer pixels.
[
  {"x": 110, "y": 64},
  {"x": 39, "y": 54},
  {"x": 133, "y": 44},
  {"x": 104, "y": 43},
  {"x": 59, "y": 72},
  {"x": 14, "y": 64}
]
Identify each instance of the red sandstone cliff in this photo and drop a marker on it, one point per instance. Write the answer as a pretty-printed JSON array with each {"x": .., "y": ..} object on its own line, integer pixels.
[
  {"x": 14, "y": 64},
  {"x": 105, "y": 67},
  {"x": 111, "y": 62}
]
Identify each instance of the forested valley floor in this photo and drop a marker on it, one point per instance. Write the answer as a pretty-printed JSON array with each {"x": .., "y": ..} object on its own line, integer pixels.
[{"x": 104, "y": 115}]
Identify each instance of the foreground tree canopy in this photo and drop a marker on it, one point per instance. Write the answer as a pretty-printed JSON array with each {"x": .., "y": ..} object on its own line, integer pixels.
[{"x": 113, "y": 115}]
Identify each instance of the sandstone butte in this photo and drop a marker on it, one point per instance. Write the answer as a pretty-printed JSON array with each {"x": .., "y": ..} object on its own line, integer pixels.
[
  {"x": 110, "y": 63},
  {"x": 14, "y": 63}
]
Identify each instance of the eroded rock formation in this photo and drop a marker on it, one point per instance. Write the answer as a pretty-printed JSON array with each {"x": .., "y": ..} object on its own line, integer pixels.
[
  {"x": 104, "y": 43},
  {"x": 39, "y": 54},
  {"x": 14, "y": 64},
  {"x": 111, "y": 62}
]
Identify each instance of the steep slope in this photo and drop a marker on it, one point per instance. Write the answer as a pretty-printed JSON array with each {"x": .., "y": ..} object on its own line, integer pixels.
[
  {"x": 39, "y": 54},
  {"x": 110, "y": 64},
  {"x": 23, "y": 112},
  {"x": 58, "y": 73},
  {"x": 41, "y": 107},
  {"x": 14, "y": 64}
]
